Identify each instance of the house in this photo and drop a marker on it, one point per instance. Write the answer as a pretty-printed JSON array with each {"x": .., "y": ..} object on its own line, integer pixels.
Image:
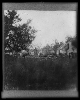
[
  {"x": 71, "y": 50},
  {"x": 62, "y": 49},
  {"x": 33, "y": 52},
  {"x": 66, "y": 49}
]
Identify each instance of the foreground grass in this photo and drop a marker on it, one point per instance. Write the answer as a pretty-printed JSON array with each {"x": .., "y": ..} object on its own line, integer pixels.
[{"x": 40, "y": 73}]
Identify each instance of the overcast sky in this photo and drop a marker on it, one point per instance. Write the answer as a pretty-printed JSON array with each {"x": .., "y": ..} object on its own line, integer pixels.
[{"x": 51, "y": 25}]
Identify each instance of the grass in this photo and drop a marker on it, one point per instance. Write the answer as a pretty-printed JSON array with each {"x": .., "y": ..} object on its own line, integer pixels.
[{"x": 40, "y": 73}]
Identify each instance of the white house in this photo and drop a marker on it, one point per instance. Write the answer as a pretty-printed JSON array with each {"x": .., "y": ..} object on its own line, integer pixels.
[
  {"x": 66, "y": 49},
  {"x": 62, "y": 49}
]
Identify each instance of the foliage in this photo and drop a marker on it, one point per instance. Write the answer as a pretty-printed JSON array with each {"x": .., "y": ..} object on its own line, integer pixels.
[
  {"x": 68, "y": 39},
  {"x": 46, "y": 49},
  {"x": 73, "y": 40},
  {"x": 9, "y": 19},
  {"x": 16, "y": 38},
  {"x": 56, "y": 46}
]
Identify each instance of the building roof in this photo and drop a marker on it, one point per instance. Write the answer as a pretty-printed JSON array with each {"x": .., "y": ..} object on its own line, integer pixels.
[{"x": 63, "y": 46}]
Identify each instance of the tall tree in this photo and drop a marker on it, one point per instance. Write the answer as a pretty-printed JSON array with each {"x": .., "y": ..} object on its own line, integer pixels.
[
  {"x": 9, "y": 30},
  {"x": 17, "y": 38}
]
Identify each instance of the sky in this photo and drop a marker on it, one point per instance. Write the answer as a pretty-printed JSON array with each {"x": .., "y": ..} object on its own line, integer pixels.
[{"x": 51, "y": 25}]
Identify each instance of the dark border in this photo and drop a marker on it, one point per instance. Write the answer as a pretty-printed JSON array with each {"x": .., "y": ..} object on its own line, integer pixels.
[{"x": 65, "y": 6}]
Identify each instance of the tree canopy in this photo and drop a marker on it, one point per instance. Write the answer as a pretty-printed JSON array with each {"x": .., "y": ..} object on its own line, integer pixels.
[
  {"x": 73, "y": 40},
  {"x": 16, "y": 38}
]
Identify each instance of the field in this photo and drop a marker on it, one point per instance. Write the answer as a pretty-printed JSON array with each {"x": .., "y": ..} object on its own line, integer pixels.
[{"x": 40, "y": 73}]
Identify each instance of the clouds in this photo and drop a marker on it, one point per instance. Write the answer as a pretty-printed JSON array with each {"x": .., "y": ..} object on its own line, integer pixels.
[{"x": 51, "y": 25}]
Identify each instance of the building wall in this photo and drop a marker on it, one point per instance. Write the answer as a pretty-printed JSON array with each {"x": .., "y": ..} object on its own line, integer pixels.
[{"x": 66, "y": 48}]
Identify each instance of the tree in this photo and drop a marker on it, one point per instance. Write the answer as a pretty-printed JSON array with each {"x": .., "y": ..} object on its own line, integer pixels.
[
  {"x": 68, "y": 39},
  {"x": 73, "y": 40},
  {"x": 27, "y": 35},
  {"x": 17, "y": 38},
  {"x": 9, "y": 19},
  {"x": 56, "y": 46},
  {"x": 10, "y": 30}
]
